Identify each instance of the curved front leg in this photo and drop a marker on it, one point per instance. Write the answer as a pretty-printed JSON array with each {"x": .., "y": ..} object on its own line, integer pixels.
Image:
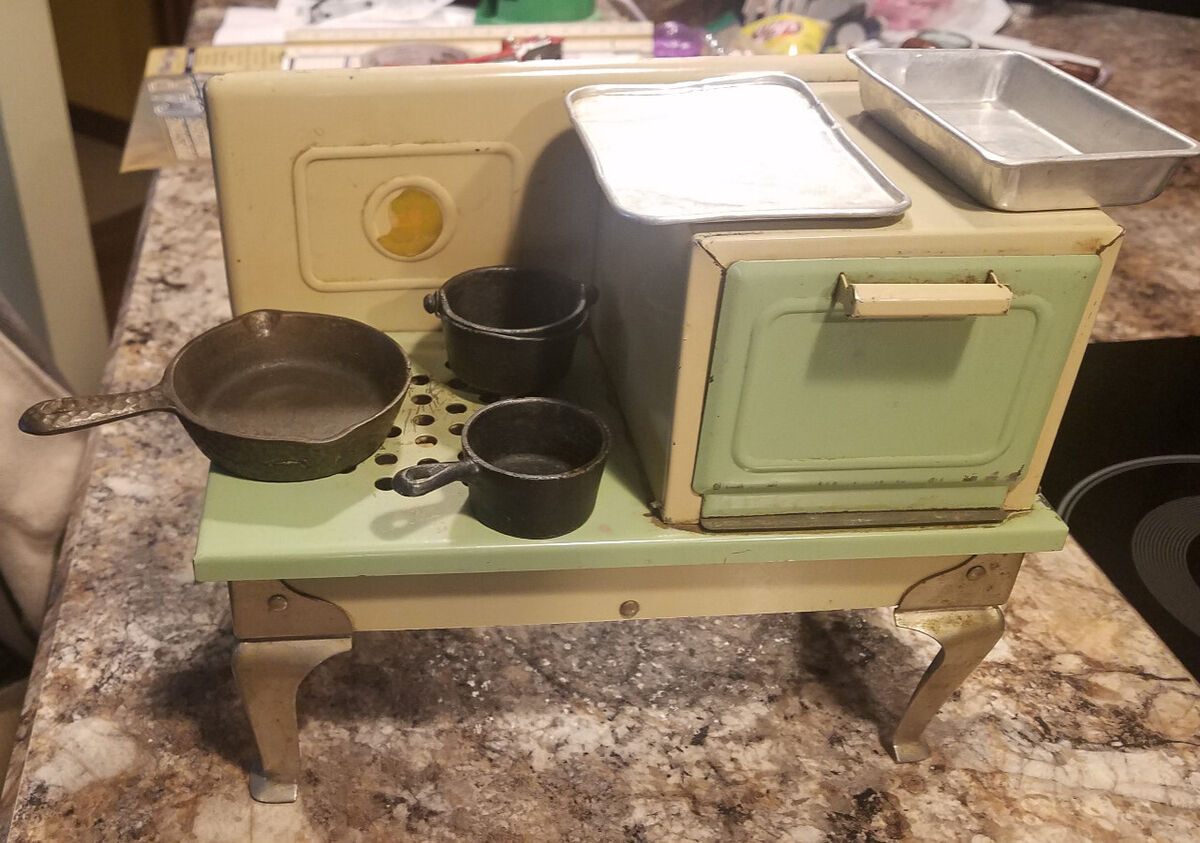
[
  {"x": 268, "y": 673},
  {"x": 966, "y": 636}
]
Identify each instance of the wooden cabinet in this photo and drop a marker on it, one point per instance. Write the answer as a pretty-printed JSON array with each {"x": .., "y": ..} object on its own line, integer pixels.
[{"x": 102, "y": 49}]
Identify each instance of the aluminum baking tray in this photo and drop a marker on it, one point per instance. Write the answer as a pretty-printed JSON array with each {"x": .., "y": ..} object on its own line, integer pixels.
[
  {"x": 747, "y": 146},
  {"x": 1016, "y": 133}
]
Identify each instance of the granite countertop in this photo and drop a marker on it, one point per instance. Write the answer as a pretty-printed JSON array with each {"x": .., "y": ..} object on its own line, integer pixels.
[
  {"x": 1153, "y": 58},
  {"x": 1079, "y": 725}
]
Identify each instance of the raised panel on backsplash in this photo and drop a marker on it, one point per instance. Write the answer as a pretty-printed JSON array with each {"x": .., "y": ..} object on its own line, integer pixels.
[{"x": 345, "y": 199}]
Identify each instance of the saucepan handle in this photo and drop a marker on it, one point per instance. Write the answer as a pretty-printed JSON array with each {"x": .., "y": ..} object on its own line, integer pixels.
[
  {"x": 60, "y": 415},
  {"x": 419, "y": 480}
]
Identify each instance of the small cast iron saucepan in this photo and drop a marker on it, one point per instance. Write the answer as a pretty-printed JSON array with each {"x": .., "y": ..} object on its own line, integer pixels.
[
  {"x": 532, "y": 467},
  {"x": 271, "y": 395},
  {"x": 511, "y": 330}
]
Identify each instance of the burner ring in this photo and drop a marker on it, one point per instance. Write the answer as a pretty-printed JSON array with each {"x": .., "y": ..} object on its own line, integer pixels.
[{"x": 1159, "y": 547}]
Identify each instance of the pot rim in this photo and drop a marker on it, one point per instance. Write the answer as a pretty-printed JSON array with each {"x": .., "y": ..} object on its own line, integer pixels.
[
  {"x": 186, "y": 412},
  {"x": 600, "y": 457}
]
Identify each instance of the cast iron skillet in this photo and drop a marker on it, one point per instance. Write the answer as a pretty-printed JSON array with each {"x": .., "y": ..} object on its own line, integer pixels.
[{"x": 272, "y": 395}]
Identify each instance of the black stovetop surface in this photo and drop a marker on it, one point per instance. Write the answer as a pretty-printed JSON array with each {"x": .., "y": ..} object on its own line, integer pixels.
[{"x": 1134, "y": 416}]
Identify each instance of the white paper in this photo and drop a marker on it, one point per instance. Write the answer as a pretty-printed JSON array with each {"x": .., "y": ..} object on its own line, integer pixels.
[
  {"x": 254, "y": 25},
  {"x": 972, "y": 17},
  {"x": 249, "y": 25},
  {"x": 383, "y": 13}
]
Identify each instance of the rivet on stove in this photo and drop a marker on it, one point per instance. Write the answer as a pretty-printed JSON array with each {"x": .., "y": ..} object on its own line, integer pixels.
[
  {"x": 630, "y": 608},
  {"x": 975, "y": 572},
  {"x": 277, "y": 603}
]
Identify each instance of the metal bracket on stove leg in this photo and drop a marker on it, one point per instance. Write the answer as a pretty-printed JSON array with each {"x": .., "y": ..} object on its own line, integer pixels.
[
  {"x": 271, "y": 609},
  {"x": 960, "y": 609},
  {"x": 283, "y": 634},
  {"x": 268, "y": 674}
]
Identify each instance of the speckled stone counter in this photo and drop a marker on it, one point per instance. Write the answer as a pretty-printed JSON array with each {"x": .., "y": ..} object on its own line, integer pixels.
[
  {"x": 1080, "y": 725},
  {"x": 1155, "y": 289}
]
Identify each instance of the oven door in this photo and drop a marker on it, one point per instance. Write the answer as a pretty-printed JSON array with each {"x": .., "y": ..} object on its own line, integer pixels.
[{"x": 882, "y": 390}]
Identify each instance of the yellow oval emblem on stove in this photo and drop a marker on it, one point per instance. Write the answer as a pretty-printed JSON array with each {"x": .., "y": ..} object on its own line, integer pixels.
[{"x": 416, "y": 223}]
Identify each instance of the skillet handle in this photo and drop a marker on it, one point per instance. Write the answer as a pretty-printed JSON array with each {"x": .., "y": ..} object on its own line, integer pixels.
[
  {"x": 419, "y": 480},
  {"x": 60, "y": 415}
]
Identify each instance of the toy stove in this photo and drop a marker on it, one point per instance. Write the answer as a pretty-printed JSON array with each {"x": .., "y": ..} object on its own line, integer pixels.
[
  {"x": 756, "y": 397},
  {"x": 771, "y": 453}
]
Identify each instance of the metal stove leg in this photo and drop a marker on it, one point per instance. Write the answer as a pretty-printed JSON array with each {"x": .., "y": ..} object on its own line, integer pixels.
[
  {"x": 268, "y": 674},
  {"x": 960, "y": 609},
  {"x": 966, "y": 636}
]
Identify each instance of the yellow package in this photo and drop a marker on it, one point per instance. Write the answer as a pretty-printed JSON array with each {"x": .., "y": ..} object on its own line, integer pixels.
[{"x": 787, "y": 35}]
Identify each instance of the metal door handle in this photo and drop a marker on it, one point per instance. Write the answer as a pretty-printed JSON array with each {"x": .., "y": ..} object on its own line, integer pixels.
[{"x": 915, "y": 301}]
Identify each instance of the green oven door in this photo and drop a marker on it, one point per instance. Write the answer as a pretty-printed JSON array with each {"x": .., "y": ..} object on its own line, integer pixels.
[{"x": 898, "y": 407}]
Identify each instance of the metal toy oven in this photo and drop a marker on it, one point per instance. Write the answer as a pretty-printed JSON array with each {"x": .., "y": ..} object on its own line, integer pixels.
[
  {"x": 756, "y": 393},
  {"x": 827, "y": 400}
]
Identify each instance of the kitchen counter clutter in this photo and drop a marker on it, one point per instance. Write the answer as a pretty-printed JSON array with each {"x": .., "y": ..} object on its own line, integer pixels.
[{"x": 1079, "y": 723}]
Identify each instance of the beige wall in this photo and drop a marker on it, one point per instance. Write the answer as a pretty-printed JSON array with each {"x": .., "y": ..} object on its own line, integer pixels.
[{"x": 46, "y": 193}]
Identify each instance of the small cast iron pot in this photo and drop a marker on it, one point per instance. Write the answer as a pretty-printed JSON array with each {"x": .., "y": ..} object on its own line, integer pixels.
[
  {"x": 532, "y": 465},
  {"x": 511, "y": 331}
]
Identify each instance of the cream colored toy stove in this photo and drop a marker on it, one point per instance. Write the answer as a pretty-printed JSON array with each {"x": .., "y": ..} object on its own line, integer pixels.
[
  {"x": 755, "y": 401},
  {"x": 842, "y": 460}
]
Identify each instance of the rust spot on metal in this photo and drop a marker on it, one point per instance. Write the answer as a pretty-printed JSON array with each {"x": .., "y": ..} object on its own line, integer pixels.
[
  {"x": 653, "y": 518},
  {"x": 711, "y": 256},
  {"x": 1099, "y": 247}
]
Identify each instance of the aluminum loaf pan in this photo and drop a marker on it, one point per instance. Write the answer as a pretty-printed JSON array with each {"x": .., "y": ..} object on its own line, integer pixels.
[
  {"x": 749, "y": 146},
  {"x": 1016, "y": 133}
]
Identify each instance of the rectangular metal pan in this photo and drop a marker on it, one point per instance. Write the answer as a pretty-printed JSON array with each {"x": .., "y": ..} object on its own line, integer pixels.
[
  {"x": 749, "y": 146},
  {"x": 1016, "y": 133}
]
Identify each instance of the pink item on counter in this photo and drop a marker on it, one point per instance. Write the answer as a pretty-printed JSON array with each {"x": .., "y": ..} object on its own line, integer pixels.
[{"x": 907, "y": 14}]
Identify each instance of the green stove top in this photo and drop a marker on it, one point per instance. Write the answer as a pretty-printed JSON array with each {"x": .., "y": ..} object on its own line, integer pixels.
[{"x": 346, "y": 526}]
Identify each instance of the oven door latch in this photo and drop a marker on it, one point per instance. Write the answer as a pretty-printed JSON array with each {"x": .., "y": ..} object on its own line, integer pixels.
[{"x": 923, "y": 301}]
